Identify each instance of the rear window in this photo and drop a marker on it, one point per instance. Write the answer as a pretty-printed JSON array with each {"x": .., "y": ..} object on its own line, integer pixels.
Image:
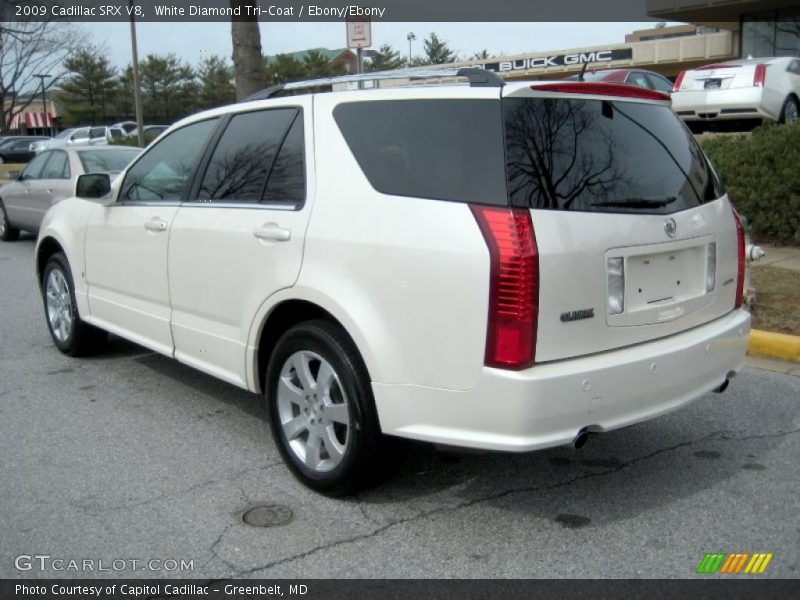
[
  {"x": 602, "y": 156},
  {"x": 439, "y": 149}
]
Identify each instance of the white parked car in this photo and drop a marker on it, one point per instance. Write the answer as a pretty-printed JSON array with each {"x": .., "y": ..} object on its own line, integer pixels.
[
  {"x": 83, "y": 136},
  {"x": 504, "y": 268},
  {"x": 736, "y": 90}
]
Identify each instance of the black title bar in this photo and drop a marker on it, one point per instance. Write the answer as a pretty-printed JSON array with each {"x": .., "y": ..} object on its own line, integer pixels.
[
  {"x": 733, "y": 588},
  {"x": 326, "y": 10}
]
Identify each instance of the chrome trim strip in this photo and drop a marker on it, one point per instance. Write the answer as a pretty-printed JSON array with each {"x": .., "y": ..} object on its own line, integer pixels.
[
  {"x": 146, "y": 203},
  {"x": 288, "y": 206}
]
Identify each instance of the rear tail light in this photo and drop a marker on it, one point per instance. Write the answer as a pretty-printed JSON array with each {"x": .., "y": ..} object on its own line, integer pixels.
[
  {"x": 760, "y": 75},
  {"x": 711, "y": 266},
  {"x": 740, "y": 258},
  {"x": 514, "y": 286},
  {"x": 600, "y": 89},
  {"x": 615, "y": 270},
  {"x": 678, "y": 81}
]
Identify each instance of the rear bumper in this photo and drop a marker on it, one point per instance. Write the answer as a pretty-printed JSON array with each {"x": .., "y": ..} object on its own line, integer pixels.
[
  {"x": 720, "y": 105},
  {"x": 548, "y": 404}
]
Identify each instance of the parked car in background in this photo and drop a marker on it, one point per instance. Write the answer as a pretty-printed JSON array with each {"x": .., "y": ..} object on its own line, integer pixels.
[
  {"x": 276, "y": 244},
  {"x": 49, "y": 178},
  {"x": 92, "y": 136},
  {"x": 750, "y": 90},
  {"x": 17, "y": 149},
  {"x": 639, "y": 77},
  {"x": 128, "y": 126},
  {"x": 155, "y": 130}
]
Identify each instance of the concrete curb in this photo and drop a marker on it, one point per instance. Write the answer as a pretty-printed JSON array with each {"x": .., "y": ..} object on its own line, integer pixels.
[{"x": 774, "y": 345}]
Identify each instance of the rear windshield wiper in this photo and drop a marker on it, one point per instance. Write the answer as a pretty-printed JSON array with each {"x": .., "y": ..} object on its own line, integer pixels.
[{"x": 655, "y": 202}]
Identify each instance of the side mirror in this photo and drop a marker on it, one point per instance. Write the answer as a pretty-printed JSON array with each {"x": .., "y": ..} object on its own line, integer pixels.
[
  {"x": 13, "y": 175},
  {"x": 93, "y": 185}
]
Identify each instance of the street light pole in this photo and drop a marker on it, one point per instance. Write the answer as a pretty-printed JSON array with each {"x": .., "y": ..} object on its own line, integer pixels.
[
  {"x": 137, "y": 97},
  {"x": 410, "y": 37},
  {"x": 44, "y": 103}
]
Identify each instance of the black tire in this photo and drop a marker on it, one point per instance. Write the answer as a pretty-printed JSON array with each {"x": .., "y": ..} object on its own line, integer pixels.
[
  {"x": 364, "y": 447},
  {"x": 8, "y": 233},
  {"x": 82, "y": 338},
  {"x": 790, "y": 110}
]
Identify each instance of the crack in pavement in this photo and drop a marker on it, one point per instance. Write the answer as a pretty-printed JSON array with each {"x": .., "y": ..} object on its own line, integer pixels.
[
  {"x": 721, "y": 435},
  {"x": 173, "y": 493}
]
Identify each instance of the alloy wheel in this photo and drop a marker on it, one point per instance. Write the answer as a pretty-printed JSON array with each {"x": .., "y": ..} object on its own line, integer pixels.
[
  {"x": 60, "y": 312},
  {"x": 313, "y": 410},
  {"x": 790, "y": 112}
]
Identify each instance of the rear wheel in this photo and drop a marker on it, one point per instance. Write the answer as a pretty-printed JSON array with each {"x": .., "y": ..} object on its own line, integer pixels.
[
  {"x": 790, "y": 110},
  {"x": 70, "y": 334},
  {"x": 7, "y": 232},
  {"x": 322, "y": 411}
]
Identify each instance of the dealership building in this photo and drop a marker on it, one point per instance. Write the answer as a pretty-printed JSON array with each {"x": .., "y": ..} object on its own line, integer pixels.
[{"x": 714, "y": 31}]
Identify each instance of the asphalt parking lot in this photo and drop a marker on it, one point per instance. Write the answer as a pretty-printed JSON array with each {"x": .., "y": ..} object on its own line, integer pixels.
[{"x": 130, "y": 455}]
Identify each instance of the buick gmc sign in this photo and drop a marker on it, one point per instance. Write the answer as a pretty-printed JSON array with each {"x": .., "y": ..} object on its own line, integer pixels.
[{"x": 557, "y": 60}]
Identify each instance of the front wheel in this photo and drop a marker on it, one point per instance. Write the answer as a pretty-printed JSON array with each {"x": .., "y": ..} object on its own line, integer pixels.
[
  {"x": 790, "y": 110},
  {"x": 322, "y": 411},
  {"x": 70, "y": 334},
  {"x": 8, "y": 233}
]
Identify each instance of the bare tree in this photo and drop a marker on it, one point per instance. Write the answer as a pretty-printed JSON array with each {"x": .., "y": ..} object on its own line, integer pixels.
[
  {"x": 29, "y": 48},
  {"x": 247, "y": 60}
]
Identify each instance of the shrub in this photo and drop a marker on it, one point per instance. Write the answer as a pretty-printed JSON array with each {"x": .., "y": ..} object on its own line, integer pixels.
[{"x": 761, "y": 172}]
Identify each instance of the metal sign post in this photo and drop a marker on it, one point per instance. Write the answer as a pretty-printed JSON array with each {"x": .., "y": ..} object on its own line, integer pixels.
[{"x": 359, "y": 36}]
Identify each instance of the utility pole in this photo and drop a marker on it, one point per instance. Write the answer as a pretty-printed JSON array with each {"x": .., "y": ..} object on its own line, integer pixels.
[
  {"x": 137, "y": 96},
  {"x": 44, "y": 103},
  {"x": 410, "y": 37}
]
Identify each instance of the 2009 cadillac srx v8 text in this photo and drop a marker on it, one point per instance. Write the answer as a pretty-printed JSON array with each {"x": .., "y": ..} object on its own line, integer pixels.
[{"x": 503, "y": 267}]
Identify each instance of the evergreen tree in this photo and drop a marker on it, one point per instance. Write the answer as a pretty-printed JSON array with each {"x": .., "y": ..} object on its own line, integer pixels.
[
  {"x": 169, "y": 88},
  {"x": 315, "y": 64},
  {"x": 385, "y": 59},
  {"x": 283, "y": 68},
  {"x": 437, "y": 52},
  {"x": 216, "y": 88},
  {"x": 90, "y": 89}
]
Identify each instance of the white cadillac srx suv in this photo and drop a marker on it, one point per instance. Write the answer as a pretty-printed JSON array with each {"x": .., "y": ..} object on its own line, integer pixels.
[{"x": 502, "y": 267}]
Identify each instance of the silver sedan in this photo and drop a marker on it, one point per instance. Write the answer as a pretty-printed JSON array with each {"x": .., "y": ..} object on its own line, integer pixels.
[{"x": 49, "y": 178}]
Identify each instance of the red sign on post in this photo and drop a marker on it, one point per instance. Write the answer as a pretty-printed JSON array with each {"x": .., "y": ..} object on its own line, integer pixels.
[{"x": 359, "y": 33}]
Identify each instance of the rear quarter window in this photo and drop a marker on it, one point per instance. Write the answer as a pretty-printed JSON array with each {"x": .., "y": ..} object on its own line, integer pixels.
[{"x": 437, "y": 149}]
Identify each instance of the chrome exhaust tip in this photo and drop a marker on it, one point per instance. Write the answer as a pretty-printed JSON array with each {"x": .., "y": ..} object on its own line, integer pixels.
[
  {"x": 724, "y": 386},
  {"x": 580, "y": 439}
]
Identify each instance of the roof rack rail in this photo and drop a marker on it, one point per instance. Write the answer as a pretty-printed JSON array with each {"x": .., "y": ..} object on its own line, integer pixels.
[{"x": 477, "y": 78}]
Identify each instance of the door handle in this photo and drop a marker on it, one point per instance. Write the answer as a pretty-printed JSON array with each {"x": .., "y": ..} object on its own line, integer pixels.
[
  {"x": 273, "y": 233},
  {"x": 49, "y": 190},
  {"x": 156, "y": 224}
]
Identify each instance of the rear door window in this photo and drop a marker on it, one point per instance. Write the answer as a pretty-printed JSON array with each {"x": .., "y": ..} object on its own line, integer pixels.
[
  {"x": 57, "y": 167},
  {"x": 243, "y": 158},
  {"x": 438, "y": 149},
  {"x": 287, "y": 181},
  {"x": 603, "y": 156}
]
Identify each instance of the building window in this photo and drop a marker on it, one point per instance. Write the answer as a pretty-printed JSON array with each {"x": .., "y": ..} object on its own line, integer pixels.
[{"x": 771, "y": 33}]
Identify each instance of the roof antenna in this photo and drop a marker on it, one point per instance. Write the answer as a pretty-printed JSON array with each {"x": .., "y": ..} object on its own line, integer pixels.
[{"x": 583, "y": 71}]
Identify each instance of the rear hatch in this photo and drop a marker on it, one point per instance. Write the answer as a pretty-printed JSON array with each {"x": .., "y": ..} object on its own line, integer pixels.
[
  {"x": 723, "y": 76},
  {"x": 636, "y": 240}
]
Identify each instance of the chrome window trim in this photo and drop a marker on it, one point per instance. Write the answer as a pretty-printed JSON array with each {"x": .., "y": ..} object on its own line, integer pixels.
[{"x": 288, "y": 206}]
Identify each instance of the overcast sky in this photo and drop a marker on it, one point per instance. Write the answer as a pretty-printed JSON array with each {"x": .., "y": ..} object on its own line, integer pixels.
[{"x": 191, "y": 41}]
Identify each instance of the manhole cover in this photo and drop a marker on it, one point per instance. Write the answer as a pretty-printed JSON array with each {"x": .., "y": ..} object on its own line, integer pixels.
[{"x": 268, "y": 515}]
